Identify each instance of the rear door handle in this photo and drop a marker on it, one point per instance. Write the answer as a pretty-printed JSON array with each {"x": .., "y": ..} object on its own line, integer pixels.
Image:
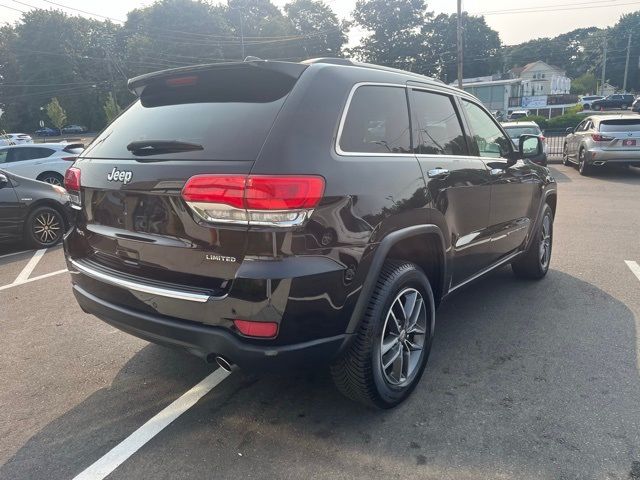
[{"x": 438, "y": 173}]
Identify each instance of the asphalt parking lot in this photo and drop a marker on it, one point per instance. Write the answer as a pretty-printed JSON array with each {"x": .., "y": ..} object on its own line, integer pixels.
[{"x": 525, "y": 380}]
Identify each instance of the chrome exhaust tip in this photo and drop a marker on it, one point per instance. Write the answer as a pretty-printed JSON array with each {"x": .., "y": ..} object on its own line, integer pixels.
[{"x": 224, "y": 364}]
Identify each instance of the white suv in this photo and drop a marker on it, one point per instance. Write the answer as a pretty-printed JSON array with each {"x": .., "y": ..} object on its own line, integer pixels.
[
  {"x": 46, "y": 162},
  {"x": 587, "y": 100},
  {"x": 15, "y": 139}
]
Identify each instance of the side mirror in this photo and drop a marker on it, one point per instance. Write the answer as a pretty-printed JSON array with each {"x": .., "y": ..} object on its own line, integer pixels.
[
  {"x": 570, "y": 130},
  {"x": 530, "y": 146},
  {"x": 4, "y": 181}
]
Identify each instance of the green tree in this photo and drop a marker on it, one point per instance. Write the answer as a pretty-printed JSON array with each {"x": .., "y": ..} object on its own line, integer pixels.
[
  {"x": 617, "y": 38},
  {"x": 56, "y": 113},
  {"x": 481, "y": 45},
  {"x": 324, "y": 34},
  {"x": 111, "y": 108},
  {"x": 394, "y": 35},
  {"x": 585, "y": 84}
]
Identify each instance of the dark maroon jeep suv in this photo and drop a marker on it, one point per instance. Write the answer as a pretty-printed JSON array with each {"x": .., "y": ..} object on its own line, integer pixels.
[{"x": 273, "y": 214}]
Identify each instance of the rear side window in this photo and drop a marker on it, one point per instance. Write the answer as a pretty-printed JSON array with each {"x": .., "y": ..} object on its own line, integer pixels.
[
  {"x": 228, "y": 112},
  {"x": 620, "y": 125},
  {"x": 28, "y": 153},
  {"x": 437, "y": 130},
  {"x": 377, "y": 121}
]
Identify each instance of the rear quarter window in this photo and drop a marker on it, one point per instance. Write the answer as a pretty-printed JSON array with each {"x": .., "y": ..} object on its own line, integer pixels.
[{"x": 377, "y": 121}]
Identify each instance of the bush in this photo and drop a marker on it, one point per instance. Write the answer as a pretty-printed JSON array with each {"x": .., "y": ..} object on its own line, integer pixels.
[
  {"x": 541, "y": 121},
  {"x": 565, "y": 121}
]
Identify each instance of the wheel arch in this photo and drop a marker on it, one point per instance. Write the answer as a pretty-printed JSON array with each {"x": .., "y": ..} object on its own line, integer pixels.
[
  {"x": 421, "y": 244},
  {"x": 49, "y": 172},
  {"x": 46, "y": 202}
]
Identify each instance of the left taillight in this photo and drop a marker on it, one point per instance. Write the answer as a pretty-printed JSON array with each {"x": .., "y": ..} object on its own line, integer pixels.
[
  {"x": 267, "y": 200},
  {"x": 72, "y": 184},
  {"x": 69, "y": 159}
]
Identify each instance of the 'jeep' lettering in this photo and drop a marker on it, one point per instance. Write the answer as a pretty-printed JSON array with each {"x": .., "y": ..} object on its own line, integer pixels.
[{"x": 116, "y": 175}]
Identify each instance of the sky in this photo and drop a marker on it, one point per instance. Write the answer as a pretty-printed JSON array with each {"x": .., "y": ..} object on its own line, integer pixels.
[{"x": 514, "y": 20}]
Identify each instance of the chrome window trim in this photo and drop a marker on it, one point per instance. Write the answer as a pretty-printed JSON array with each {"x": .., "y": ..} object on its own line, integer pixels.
[
  {"x": 140, "y": 287},
  {"x": 343, "y": 119}
]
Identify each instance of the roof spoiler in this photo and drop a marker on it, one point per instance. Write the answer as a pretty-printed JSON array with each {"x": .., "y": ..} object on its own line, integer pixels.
[
  {"x": 137, "y": 84},
  {"x": 67, "y": 148}
]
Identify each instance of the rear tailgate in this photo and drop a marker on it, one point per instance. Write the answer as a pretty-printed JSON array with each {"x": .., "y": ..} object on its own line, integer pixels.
[
  {"x": 133, "y": 219},
  {"x": 621, "y": 134}
]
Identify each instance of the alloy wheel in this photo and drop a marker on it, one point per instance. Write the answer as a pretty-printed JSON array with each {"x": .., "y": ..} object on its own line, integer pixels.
[
  {"x": 403, "y": 337},
  {"x": 52, "y": 180},
  {"x": 545, "y": 242},
  {"x": 46, "y": 227}
]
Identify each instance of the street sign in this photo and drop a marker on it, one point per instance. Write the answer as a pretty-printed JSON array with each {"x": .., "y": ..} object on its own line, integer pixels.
[{"x": 41, "y": 123}]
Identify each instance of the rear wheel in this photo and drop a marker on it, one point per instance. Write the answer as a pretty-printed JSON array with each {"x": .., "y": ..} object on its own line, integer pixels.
[
  {"x": 583, "y": 165},
  {"x": 534, "y": 263},
  {"x": 51, "y": 177},
  {"x": 44, "y": 227},
  {"x": 390, "y": 350}
]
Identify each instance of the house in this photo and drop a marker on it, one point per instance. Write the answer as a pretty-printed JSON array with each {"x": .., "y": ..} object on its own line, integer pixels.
[
  {"x": 606, "y": 89},
  {"x": 540, "y": 78}
]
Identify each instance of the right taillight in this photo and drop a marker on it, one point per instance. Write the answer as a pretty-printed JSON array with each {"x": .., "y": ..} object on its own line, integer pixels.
[
  {"x": 72, "y": 184},
  {"x": 267, "y": 200}
]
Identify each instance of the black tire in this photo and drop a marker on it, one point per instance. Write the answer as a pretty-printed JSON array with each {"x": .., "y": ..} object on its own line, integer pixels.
[
  {"x": 53, "y": 178},
  {"x": 532, "y": 264},
  {"x": 44, "y": 227},
  {"x": 359, "y": 373},
  {"x": 583, "y": 167},
  {"x": 586, "y": 107},
  {"x": 565, "y": 155}
]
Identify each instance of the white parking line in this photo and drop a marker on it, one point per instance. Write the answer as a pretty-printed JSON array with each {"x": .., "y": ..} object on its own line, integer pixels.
[
  {"x": 13, "y": 253},
  {"x": 39, "y": 277},
  {"x": 635, "y": 268},
  {"x": 30, "y": 266},
  {"x": 130, "y": 445}
]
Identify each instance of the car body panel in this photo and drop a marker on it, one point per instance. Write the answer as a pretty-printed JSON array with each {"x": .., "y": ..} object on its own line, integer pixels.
[{"x": 35, "y": 167}]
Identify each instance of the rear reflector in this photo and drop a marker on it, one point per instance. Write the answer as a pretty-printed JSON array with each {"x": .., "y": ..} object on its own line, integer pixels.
[
  {"x": 72, "y": 179},
  {"x": 271, "y": 200},
  {"x": 256, "y": 329}
]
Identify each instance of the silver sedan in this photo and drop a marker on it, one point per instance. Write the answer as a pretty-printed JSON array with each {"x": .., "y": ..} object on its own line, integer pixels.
[{"x": 601, "y": 140}]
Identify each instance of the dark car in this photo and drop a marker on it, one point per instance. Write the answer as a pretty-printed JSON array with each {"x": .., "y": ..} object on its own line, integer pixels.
[
  {"x": 74, "y": 129},
  {"x": 274, "y": 215},
  {"x": 47, "y": 132},
  {"x": 618, "y": 100},
  {"x": 33, "y": 211}
]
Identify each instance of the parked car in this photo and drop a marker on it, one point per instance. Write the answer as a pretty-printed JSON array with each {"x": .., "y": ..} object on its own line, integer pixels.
[
  {"x": 14, "y": 139},
  {"x": 516, "y": 114},
  {"x": 46, "y": 162},
  {"x": 587, "y": 100},
  {"x": 47, "y": 132},
  {"x": 618, "y": 100},
  {"x": 516, "y": 129},
  {"x": 636, "y": 105},
  {"x": 74, "y": 129},
  {"x": 602, "y": 140},
  {"x": 269, "y": 237},
  {"x": 35, "y": 212}
]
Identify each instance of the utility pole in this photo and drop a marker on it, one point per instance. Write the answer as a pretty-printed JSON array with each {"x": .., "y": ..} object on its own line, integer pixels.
[
  {"x": 626, "y": 66},
  {"x": 604, "y": 66},
  {"x": 242, "y": 32},
  {"x": 459, "y": 41}
]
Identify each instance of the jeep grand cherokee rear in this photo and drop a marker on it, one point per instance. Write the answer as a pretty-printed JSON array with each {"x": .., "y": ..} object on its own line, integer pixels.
[{"x": 274, "y": 214}]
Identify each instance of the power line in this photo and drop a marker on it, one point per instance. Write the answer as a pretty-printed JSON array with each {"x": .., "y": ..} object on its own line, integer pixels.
[{"x": 562, "y": 8}]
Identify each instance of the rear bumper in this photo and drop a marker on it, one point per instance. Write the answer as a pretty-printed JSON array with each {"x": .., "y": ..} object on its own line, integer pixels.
[
  {"x": 208, "y": 341},
  {"x": 615, "y": 156}
]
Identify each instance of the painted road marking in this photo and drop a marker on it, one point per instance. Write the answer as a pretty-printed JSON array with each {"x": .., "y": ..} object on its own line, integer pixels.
[
  {"x": 635, "y": 268},
  {"x": 13, "y": 253},
  {"x": 30, "y": 266},
  {"x": 39, "y": 277},
  {"x": 130, "y": 445}
]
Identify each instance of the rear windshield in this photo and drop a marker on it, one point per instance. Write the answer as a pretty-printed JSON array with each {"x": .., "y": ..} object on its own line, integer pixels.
[
  {"x": 630, "y": 125},
  {"x": 229, "y": 113},
  {"x": 515, "y": 132}
]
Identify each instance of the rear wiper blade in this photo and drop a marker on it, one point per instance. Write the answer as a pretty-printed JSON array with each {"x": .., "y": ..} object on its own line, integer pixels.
[{"x": 156, "y": 147}]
